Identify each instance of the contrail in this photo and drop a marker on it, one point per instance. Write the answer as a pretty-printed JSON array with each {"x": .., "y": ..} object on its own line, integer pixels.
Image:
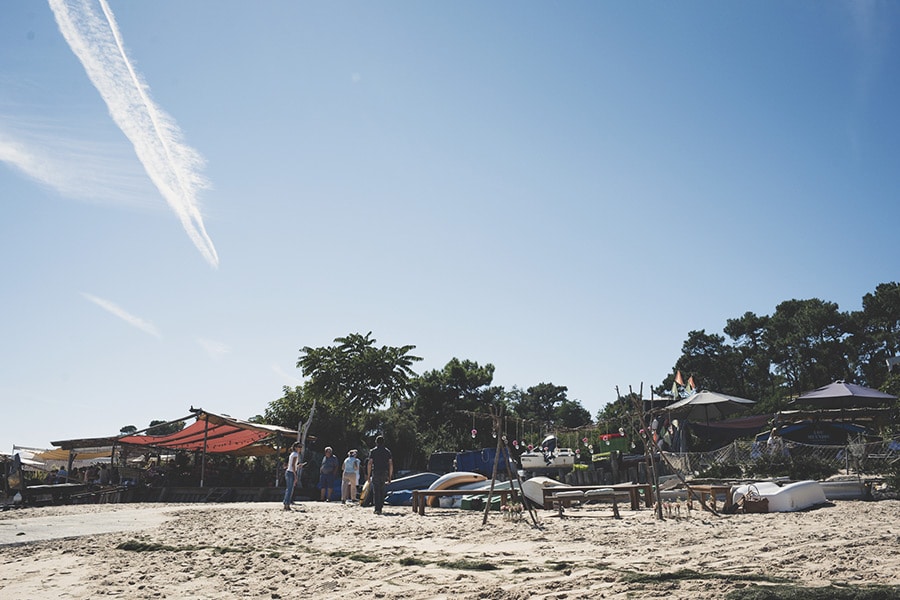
[
  {"x": 173, "y": 166},
  {"x": 125, "y": 316}
]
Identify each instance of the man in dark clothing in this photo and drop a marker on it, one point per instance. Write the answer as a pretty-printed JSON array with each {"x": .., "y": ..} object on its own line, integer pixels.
[{"x": 381, "y": 470}]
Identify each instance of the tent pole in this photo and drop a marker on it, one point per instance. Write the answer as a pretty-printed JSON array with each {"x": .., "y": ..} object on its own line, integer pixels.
[{"x": 203, "y": 460}]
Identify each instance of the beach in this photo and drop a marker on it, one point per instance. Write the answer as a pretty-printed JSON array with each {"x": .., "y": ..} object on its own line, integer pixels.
[{"x": 330, "y": 550}]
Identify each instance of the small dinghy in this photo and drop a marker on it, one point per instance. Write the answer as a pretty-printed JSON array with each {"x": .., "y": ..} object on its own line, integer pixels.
[
  {"x": 789, "y": 497},
  {"x": 548, "y": 456}
]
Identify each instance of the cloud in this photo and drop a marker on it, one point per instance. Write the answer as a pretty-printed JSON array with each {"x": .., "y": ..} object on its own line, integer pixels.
[
  {"x": 73, "y": 165},
  {"x": 213, "y": 348},
  {"x": 132, "y": 320},
  {"x": 174, "y": 167}
]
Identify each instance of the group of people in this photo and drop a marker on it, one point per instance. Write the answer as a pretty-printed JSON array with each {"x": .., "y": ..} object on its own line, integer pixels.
[
  {"x": 93, "y": 474},
  {"x": 379, "y": 471}
]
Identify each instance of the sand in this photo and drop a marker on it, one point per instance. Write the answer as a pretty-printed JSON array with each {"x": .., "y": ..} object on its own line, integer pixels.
[{"x": 328, "y": 550}]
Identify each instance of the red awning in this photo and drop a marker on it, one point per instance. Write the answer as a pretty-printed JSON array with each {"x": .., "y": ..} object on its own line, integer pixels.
[{"x": 218, "y": 434}]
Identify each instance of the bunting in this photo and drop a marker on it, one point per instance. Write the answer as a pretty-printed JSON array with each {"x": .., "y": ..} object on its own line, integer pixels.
[
  {"x": 678, "y": 378},
  {"x": 690, "y": 384}
]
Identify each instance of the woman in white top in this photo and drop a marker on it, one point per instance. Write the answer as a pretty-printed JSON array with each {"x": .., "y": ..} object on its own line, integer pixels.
[
  {"x": 350, "y": 479},
  {"x": 290, "y": 474}
]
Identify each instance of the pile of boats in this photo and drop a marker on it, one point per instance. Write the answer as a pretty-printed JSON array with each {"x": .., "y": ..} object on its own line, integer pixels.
[{"x": 781, "y": 496}]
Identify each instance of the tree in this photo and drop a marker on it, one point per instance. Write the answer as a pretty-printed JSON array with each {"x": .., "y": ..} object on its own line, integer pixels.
[
  {"x": 164, "y": 428},
  {"x": 548, "y": 405},
  {"x": 128, "y": 429},
  {"x": 443, "y": 400},
  {"x": 713, "y": 364},
  {"x": 357, "y": 376},
  {"x": 329, "y": 427},
  {"x": 807, "y": 342},
  {"x": 876, "y": 333},
  {"x": 755, "y": 378},
  {"x": 571, "y": 414}
]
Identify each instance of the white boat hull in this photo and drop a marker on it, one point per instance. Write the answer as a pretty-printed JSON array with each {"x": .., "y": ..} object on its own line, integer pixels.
[
  {"x": 563, "y": 458},
  {"x": 786, "y": 498}
]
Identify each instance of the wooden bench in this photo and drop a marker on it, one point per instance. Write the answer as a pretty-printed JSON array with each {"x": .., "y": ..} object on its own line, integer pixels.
[
  {"x": 634, "y": 491},
  {"x": 420, "y": 497},
  {"x": 564, "y": 498},
  {"x": 713, "y": 490}
]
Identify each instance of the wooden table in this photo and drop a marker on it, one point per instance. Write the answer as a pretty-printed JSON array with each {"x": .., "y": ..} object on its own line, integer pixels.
[{"x": 420, "y": 497}]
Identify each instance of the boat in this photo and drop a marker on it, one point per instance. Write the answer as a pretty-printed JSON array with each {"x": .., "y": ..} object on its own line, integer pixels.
[
  {"x": 789, "y": 497},
  {"x": 457, "y": 480},
  {"x": 548, "y": 456},
  {"x": 847, "y": 489},
  {"x": 416, "y": 481},
  {"x": 533, "y": 489}
]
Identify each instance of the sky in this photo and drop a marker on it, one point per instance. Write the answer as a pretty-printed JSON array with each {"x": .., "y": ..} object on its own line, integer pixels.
[{"x": 194, "y": 191}]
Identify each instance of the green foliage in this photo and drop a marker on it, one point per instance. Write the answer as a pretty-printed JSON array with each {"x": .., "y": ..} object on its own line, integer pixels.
[
  {"x": 358, "y": 376},
  {"x": 797, "y": 468},
  {"x": 803, "y": 345},
  {"x": 128, "y": 429},
  {"x": 164, "y": 428},
  {"x": 892, "y": 477},
  {"x": 722, "y": 471},
  {"x": 444, "y": 399}
]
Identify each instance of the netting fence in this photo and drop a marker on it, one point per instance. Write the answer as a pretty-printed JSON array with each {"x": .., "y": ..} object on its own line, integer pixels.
[{"x": 856, "y": 457}]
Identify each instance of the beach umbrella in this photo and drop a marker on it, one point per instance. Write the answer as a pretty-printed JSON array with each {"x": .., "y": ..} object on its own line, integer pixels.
[
  {"x": 841, "y": 394},
  {"x": 706, "y": 405}
]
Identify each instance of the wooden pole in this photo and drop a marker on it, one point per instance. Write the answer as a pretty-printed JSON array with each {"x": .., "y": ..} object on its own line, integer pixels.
[
  {"x": 495, "y": 424},
  {"x": 203, "y": 460}
]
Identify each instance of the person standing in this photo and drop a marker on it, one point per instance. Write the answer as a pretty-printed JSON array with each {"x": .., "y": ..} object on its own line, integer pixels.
[
  {"x": 350, "y": 479},
  {"x": 381, "y": 470},
  {"x": 328, "y": 474},
  {"x": 290, "y": 474}
]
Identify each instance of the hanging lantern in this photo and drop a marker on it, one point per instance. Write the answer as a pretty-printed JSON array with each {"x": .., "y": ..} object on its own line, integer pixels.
[
  {"x": 584, "y": 441},
  {"x": 474, "y": 433},
  {"x": 578, "y": 452},
  {"x": 494, "y": 434},
  {"x": 591, "y": 448},
  {"x": 530, "y": 447},
  {"x": 515, "y": 444}
]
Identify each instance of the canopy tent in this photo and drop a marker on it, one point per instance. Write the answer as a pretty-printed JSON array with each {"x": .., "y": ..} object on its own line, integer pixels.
[
  {"x": 706, "y": 405},
  {"x": 211, "y": 433},
  {"x": 841, "y": 394},
  {"x": 63, "y": 455}
]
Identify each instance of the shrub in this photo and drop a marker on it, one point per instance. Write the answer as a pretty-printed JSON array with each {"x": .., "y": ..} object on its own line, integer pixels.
[
  {"x": 722, "y": 471},
  {"x": 796, "y": 468}
]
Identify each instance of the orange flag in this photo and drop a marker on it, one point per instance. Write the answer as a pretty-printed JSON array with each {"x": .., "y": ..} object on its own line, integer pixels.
[
  {"x": 691, "y": 386},
  {"x": 678, "y": 378}
]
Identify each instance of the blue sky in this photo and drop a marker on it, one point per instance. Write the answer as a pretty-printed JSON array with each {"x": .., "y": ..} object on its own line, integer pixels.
[{"x": 563, "y": 190}]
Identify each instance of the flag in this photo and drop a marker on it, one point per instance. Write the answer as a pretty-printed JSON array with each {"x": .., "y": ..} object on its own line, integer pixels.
[
  {"x": 691, "y": 386},
  {"x": 675, "y": 390},
  {"x": 678, "y": 378}
]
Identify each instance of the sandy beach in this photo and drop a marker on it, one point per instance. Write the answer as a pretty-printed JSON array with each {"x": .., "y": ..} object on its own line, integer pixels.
[{"x": 328, "y": 550}]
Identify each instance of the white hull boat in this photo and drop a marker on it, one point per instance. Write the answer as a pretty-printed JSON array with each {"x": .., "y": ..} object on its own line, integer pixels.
[
  {"x": 561, "y": 458},
  {"x": 785, "y": 498}
]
